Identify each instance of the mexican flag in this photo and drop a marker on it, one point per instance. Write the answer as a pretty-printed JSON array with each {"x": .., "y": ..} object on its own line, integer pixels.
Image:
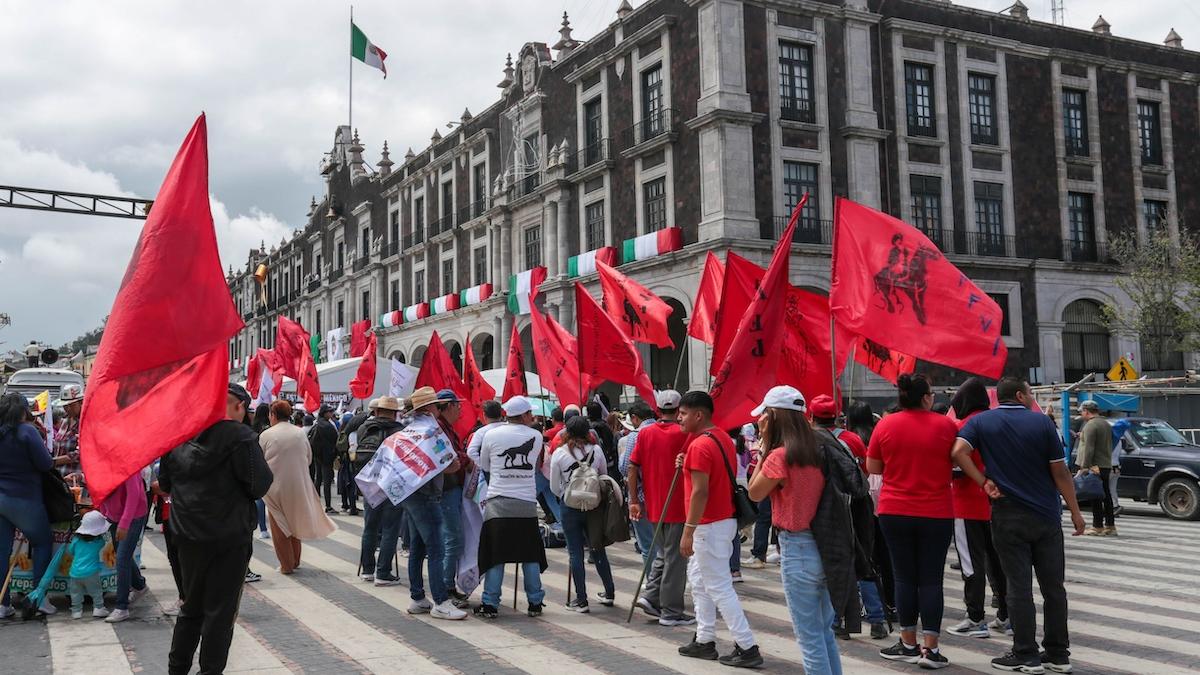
[
  {"x": 521, "y": 285},
  {"x": 585, "y": 263},
  {"x": 362, "y": 49},
  {"x": 653, "y": 244},
  {"x": 416, "y": 312},
  {"x": 390, "y": 319},
  {"x": 475, "y": 294},
  {"x": 444, "y": 304}
]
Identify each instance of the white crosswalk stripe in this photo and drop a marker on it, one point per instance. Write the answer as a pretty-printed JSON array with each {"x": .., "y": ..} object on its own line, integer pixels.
[{"x": 1133, "y": 600}]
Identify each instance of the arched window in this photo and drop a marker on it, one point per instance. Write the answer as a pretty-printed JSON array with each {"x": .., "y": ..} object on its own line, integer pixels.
[
  {"x": 482, "y": 346},
  {"x": 1161, "y": 339},
  {"x": 418, "y": 356},
  {"x": 398, "y": 356},
  {"x": 663, "y": 364},
  {"x": 456, "y": 353},
  {"x": 1085, "y": 340}
]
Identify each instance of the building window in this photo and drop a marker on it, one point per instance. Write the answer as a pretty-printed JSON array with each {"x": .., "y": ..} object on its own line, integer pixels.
[
  {"x": 593, "y": 216},
  {"x": 366, "y": 243},
  {"x": 533, "y": 247},
  {"x": 419, "y": 219},
  {"x": 989, "y": 219},
  {"x": 394, "y": 228},
  {"x": 593, "y": 131},
  {"x": 654, "y": 196},
  {"x": 918, "y": 99},
  {"x": 532, "y": 164},
  {"x": 341, "y": 255},
  {"x": 1075, "y": 135},
  {"x": 981, "y": 107},
  {"x": 1081, "y": 219},
  {"x": 1002, "y": 300},
  {"x": 448, "y": 285},
  {"x": 1154, "y": 213},
  {"x": 480, "y": 265},
  {"x": 925, "y": 202},
  {"x": 366, "y": 304},
  {"x": 799, "y": 178},
  {"x": 341, "y": 313},
  {"x": 318, "y": 271},
  {"x": 395, "y": 295},
  {"x": 447, "y": 205},
  {"x": 317, "y": 322},
  {"x": 796, "y": 82},
  {"x": 481, "y": 190},
  {"x": 652, "y": 103},
  {"x": 1149, "y": 132},
  {"x": 418, "y": 287}
]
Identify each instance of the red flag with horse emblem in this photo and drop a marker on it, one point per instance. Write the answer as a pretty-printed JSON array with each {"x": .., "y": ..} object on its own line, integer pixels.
[
  {"x": 893, "y": 286},
  {"x": 887, "y": 363},
  {"x": 605, "y": 353},
  {"x": 555, "y": 353},
  {"x": 478, "y": 390},
  {"x": 641, "y": 314}
]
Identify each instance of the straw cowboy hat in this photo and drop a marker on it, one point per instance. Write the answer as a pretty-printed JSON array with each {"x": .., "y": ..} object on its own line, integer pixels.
[{"x": 425, "y": 396}]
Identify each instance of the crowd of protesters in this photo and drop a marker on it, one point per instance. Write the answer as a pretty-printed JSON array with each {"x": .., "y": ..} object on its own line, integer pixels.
[{"x": 858, "y": 511}]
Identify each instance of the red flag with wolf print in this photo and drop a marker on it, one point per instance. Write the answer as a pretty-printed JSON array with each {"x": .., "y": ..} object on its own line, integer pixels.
[
  {"x": 642, "y": 315},
  {"x": 893, "y": 286},
  {"x": 886, "y": 363}
]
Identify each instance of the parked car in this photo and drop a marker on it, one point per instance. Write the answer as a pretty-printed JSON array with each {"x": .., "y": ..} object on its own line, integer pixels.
[{"x": 1160, "y": 466}]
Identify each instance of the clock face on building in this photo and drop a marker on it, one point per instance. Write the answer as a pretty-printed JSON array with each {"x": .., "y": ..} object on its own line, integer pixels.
[{"x": 528, "y": 71}]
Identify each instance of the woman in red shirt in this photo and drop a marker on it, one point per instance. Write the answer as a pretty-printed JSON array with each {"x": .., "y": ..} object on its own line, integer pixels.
[
  {"x": 911, "y": 448},
  {"x": 789, "y": 472}
]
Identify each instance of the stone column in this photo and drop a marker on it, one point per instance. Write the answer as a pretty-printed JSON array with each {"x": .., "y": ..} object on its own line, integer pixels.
[
  {"x": 494, "y": 253},
  {"x": 860, "y": 127},
  {"x": 506, "y": 257},
  {"x": 499, "y": 342},
  {"x": 561, "y": 249},
  {"x": 550, "y": 243}
]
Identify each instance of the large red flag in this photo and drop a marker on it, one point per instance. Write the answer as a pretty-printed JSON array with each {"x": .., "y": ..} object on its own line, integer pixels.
[
  {"x": 642, "y": 315},
  {"x": 438, "y": 371},
  {"x": 363, "y": 384},
  {"x": 295, "y": 356},
  {"x": 737, "y": 291},
  {"x": 514, "y": 376},
  {"x": 887, "y": 363},
  {"x": 162, "y": 370},
  {"x": 750, "y": 365},
  {"x": 555, "y": 353},
  {"x": 892, "y": 285},
  {"x": 358, "y": 337},
  {"x": 703, "y": 324},
  {"x": 605, "y": 352},
  {"x": 478, "y": 390}
]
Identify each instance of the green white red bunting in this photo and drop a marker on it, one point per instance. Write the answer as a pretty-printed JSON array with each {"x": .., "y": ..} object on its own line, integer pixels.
[
  {"x": 651, "y": 245},
  {"x": 391, "y": 319},
  {"x": 416, "y": 312},
  {"x": 446, "y": 303},
  {"x": 585, "y": 263},
  {"x": 475, "y": 294},
  {"x": 520, "y": 285}
]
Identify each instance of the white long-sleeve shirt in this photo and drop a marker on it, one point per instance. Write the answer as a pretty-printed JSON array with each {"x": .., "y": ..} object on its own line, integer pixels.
[
  {"x": 565, "y": 457},
  {"x": 477, "y": 440}
]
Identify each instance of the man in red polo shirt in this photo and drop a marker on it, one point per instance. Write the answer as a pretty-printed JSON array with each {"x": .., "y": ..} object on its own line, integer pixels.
[{"x": 652, "y": 466}]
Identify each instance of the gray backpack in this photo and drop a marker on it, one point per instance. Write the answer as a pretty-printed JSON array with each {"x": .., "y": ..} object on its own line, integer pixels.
[{"x": 583, "y": 486}]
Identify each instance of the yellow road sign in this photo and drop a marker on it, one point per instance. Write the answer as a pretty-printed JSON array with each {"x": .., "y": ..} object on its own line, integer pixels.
[{"x": 1122, "y": 371}]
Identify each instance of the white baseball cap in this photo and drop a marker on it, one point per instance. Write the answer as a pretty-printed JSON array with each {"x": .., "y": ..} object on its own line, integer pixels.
[
  {"x": 667, "y": 399},
  {"x": 782, "y": 397},
  {"x": 517, "y": 406}
]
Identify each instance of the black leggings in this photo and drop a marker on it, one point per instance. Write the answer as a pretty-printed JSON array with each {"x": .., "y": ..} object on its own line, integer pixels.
[
  {"x": 918, "y": 550},
  {"x": 1102, "y": 509}
]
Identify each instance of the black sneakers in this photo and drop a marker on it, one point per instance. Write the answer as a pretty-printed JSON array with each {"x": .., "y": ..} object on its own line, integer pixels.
[
  {"x": 486, "y": 612},
  {"x": 536, "y": 610},
  {"x": 931, "y": 660},
  {"x": 1015, "y": 664},
  {"x": 742, "y": 658},
  {"x": 902, "y": 653},
  {"x": 879, "y": 631},
  {"x": 1055, "y": 664},
  {"x": 701, "y": 650}
]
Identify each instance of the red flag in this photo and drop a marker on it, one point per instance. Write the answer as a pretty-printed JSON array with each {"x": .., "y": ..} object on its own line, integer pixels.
[
  {"x": 358, "y": 337},
  {"x": 438, "y": 371},
  {"x": 363, "y": 384},
  {"x": 292, "y": 344},
  {"x": 892, "y": 285},
  {"x": 641, "y": 314},
  {"x": 478, "y": 390},
  {"x": 162, "y": 370},
  {"x": 805, "y": 362},
  {"x": 737, "y": 290},
  {"x": 887, "y": 363},
  {"x": 703, "y": 325},
  {"x": 514, "y": 376},
  {"x": 605, "y": 352},
  {"x": 753, "y": 358},
  {"x": 555, "y": 353},
  {"x": 265, "y": 364}
]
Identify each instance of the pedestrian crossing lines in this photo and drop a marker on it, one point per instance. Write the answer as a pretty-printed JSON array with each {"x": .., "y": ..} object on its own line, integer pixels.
[{"x": 1133, "y": 606}]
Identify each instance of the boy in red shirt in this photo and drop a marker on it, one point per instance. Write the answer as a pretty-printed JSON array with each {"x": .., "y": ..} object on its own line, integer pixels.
[{"x": 708, "y": 535}]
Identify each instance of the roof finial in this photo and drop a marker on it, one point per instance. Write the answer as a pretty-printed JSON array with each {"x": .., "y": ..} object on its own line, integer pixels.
[
  {"x": 1101, "y": 26},
  {"x": 1019, "y": 11},
  {"x": 385, "y": 162},
  {"x": 1173, "y": 40},
  {"x": 624, "y": 10},
  {"x": 508, "y": 73},
  {"x": 566, "y": 44}
]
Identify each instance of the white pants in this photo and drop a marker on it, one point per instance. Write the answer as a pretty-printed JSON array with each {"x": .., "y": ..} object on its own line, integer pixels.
[{"x": 712, "y": 585}]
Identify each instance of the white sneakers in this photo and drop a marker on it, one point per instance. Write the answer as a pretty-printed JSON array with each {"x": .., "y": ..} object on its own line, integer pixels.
[
  {"x": 117, "y": 616},
  {"x": 100, "y": 612},
  {"x": 7, "y": 611},
  {"x": 969, "y": 628},
  {"x": 422, "y": 606},
  {"x": 446, "y": 610},
  {"x": 136, "y": 594},
  {"x": 263, "y": 534},
  {"x": 46, "y": 608},
  {"x": 773, "y": 556},
  {"x": 753, "y": 563},
  {"x": 367, "y": 577},
  {"x": 173, "y": 608}
]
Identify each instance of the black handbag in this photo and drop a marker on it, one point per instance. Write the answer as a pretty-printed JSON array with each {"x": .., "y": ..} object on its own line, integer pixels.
[
  {"x": 57, "y": 497},
  {"x": 745, "y": 511}
]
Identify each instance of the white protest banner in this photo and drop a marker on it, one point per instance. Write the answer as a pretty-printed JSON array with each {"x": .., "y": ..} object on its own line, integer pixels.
[
  {"x": 407, "y": 460},
  {"x": 467, "y": 577},
  {"x": 402, "y": 380}
]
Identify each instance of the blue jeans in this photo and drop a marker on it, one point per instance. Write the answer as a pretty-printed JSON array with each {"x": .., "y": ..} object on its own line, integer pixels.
[
  {"x": 30, "y": 518},
  {"x": 762, "y": 530},
  {"x": 543, "y": 489},
  {"x": 643, "y": 529},
  {"x": 575, "y": 527},
  {"x": 128, "y": 574},
  {"x": 808, "y": 602},
  {"x": 735, "y": 559},
  {"x": 452, "y": 533},
  {"x": 425, "y": 532},
  {"x": 381, "y": 528},
  {"x": 868, "y": 589},
  {"x": 262, "y": 515},
  {"x": 493, "y": 581}
]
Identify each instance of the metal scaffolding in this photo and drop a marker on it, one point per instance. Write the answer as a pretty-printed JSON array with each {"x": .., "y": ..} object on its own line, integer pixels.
[{"x": 74, "y": 202}]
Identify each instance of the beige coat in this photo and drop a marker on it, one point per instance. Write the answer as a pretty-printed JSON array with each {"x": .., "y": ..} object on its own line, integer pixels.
[{"x": 292, "y": 501}]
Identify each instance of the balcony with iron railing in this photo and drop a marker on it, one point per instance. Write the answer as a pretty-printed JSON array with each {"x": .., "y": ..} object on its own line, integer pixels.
[
  {"x": 314, "y": 284},
  {"x": 528, "y": 184},
  {"x": 796, "y": 110},
  {"x": 808, "y": 230},
  {"x": 1084, "y": 251},
  {"x": 416, "y": 238},
  {"x": 391, "y": 249},
  {"x": 336, "y": 274},
  {"x": 441, "y": 225},
  {"x": 471, "y": 211},
  {"x": 360, "y": 263},
  {"x": 590, "y": 160},
  {"x": 660, "y": 125}
]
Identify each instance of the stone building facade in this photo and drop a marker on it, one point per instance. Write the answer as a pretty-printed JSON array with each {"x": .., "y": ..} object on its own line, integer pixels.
[{"x": 1019, "y": 147}]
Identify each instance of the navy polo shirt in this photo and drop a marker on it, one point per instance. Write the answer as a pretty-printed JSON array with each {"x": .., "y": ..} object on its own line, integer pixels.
[{"x": 1018, "y": 445}]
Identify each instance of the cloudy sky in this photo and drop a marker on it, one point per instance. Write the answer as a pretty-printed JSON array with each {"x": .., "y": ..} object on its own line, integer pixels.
[{"x": 97, "y": 96}]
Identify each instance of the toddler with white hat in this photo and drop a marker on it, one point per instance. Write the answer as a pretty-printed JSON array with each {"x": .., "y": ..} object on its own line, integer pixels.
[{"x": 85, "y": 548}]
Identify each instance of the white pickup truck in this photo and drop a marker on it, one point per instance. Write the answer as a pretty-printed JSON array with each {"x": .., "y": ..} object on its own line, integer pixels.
[{"x": 29, "y": 382}]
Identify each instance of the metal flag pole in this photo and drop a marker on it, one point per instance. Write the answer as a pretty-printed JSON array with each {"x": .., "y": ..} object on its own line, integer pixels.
[
  {"x": 837, "y": 400},
  {"x": 516, "y": 579},
  {"x": 687, "y": 346},
  {"x": 654, "y": 540},
  {"x": 350, "y": 111}
]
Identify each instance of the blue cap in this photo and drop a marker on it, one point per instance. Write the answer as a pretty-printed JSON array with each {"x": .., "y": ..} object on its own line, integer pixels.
[{"x": 447, "y": 396}]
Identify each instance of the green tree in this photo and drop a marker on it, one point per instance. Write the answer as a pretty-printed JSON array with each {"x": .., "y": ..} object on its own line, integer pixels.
[{"x": 1160, "y": 276}]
